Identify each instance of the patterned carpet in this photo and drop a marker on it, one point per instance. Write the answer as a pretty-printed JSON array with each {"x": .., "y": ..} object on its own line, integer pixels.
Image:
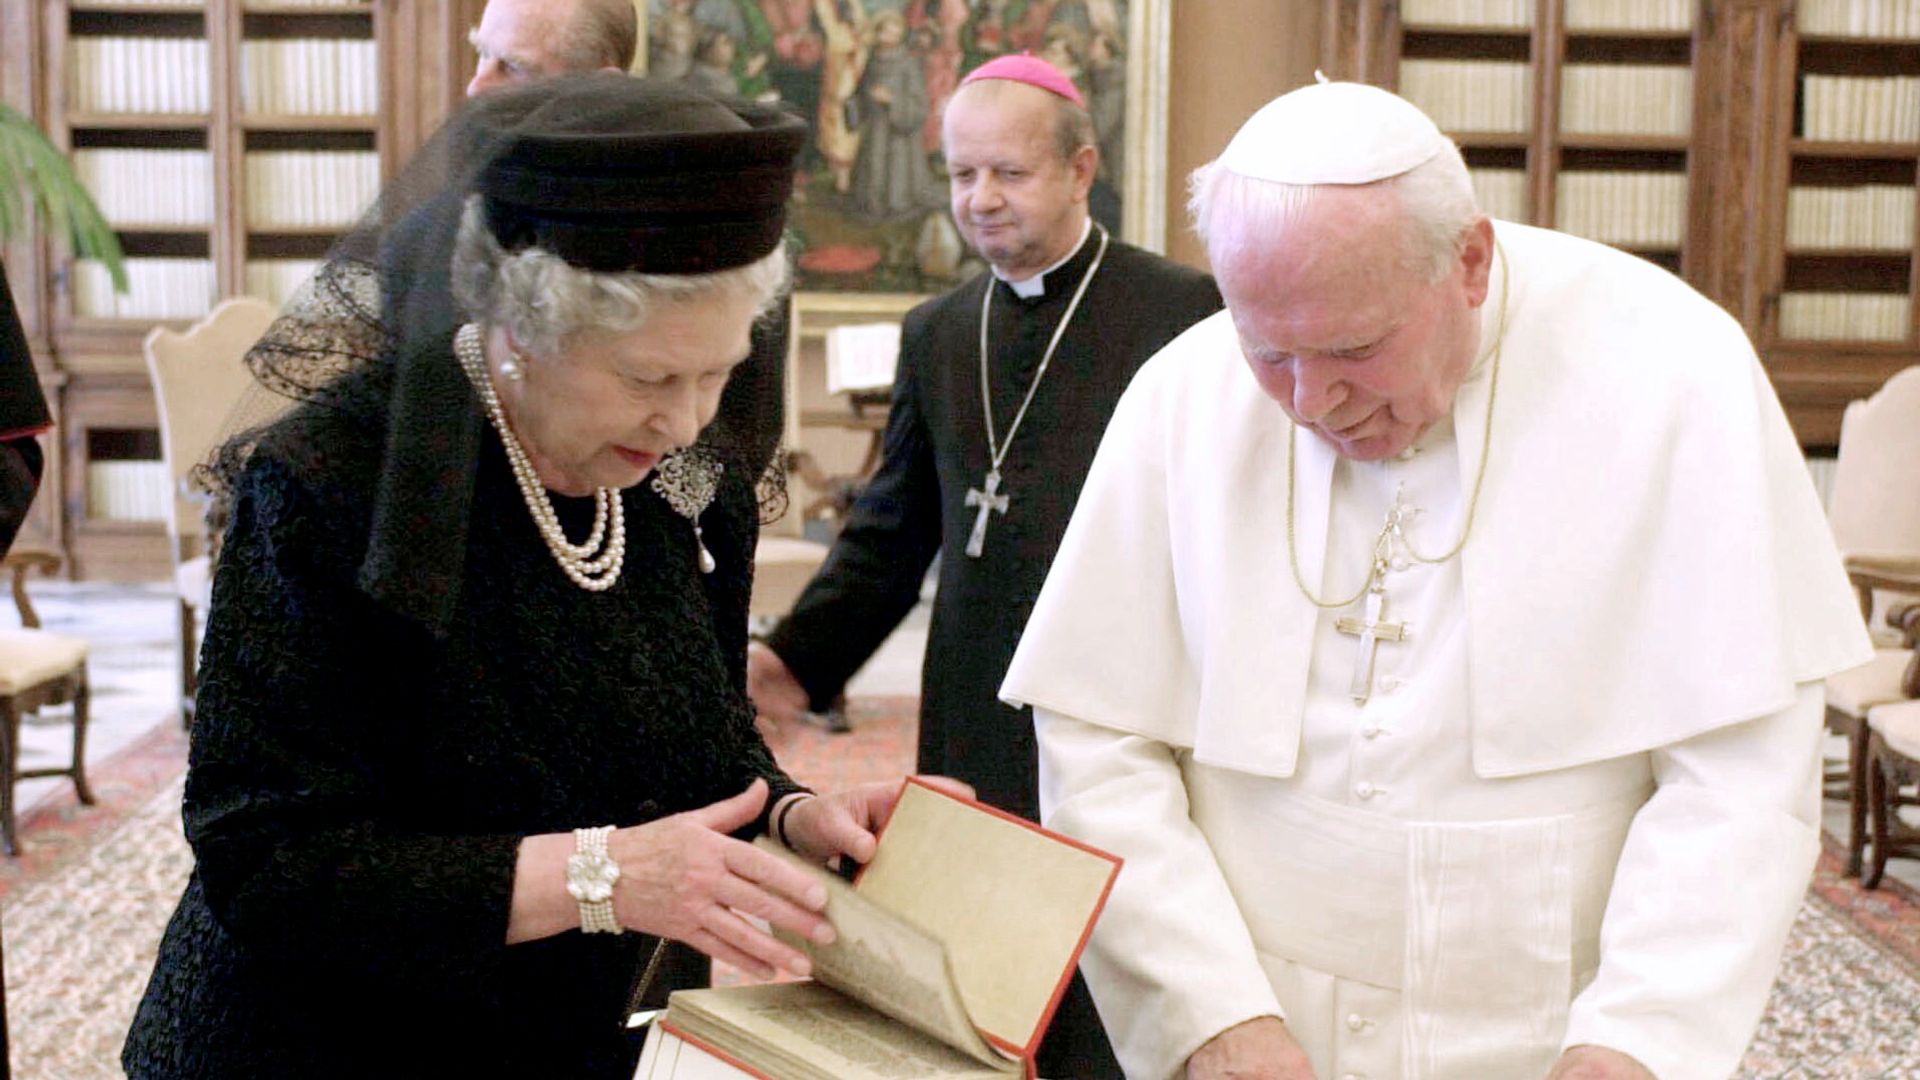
[{"x": 81, "y": 914}]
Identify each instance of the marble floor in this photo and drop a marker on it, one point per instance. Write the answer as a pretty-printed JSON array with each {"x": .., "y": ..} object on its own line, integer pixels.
[
  {"x": 133, "y": 658},
  {"x": 132, "y": 665}
]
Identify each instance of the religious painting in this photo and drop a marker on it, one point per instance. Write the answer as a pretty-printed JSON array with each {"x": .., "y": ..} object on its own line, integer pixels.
[{"x": 871, "y": 77}]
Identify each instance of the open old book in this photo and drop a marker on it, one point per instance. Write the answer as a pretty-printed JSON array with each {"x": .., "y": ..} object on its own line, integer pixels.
[{"x": 954, "y": 947}]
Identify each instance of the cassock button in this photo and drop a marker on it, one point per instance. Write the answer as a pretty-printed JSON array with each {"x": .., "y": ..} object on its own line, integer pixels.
[
  {"x": 1390, "y": 683},
  {"x": 1365, "y": 790},
  {"x": 1371, "y": 732},
  {"x": 1356, "y": 1022}
]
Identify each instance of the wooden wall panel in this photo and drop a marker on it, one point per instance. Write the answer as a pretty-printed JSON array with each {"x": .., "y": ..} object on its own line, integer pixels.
[
  {"x": 1229, "y": 58},
  {"x": 1737, "y": 110}
]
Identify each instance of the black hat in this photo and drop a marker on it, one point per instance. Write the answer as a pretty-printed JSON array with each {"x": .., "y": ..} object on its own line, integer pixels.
[{"x": 629, "y": 174}]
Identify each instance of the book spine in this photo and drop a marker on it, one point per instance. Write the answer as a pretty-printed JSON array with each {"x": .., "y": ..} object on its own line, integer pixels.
[
  {"x": 127, "y": 490},
  {"x": 1502, "y": 193},
  {"x": 159, "y": 288},
  {"x": 1887, "y": 19},
  {"x": 1636, "y": 210},
  {"x": 1641, "y": 16},
  {"x": 1847, "y": 108},
  {"x": 308, "y": 188},
  {"x": 1875, "y": 217},
  {"x": 277, "y": 280},
  {"x": 162, "y": 75},
  {"x": 1626, "y": 99},
  {"x": 149, "y": 187},
  {"x": 1842, "y": 316},
  {"x": 1491, "y": 14},
  {"x": 1470, "y": 95}
]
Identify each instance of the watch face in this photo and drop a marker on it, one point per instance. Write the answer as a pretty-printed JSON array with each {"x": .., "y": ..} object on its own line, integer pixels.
[{"x": 591, "y": 877}]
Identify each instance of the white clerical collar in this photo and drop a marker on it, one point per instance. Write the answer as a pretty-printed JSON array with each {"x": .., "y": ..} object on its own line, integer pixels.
[{"x": 1030, "y": 287}]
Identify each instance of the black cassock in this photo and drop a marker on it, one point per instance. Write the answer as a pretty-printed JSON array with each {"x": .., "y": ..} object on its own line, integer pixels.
[
  {"x": 935, "y": 452},
  {"x": 360, "y": 783}
]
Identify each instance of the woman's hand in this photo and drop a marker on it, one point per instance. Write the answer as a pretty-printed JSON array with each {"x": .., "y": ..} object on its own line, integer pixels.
[
  {"x": 847, "y": 822},
  {"x": 683, "y": 877}
]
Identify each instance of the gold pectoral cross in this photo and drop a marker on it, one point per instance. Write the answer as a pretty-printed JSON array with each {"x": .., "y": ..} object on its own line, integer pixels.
[
  {"x": 1371, "y": 629},
  {"x": 989, "y": 501}
]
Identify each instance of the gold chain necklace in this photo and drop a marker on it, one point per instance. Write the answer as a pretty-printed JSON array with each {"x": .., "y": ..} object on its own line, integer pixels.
[{"x": 1396, "y": 515}]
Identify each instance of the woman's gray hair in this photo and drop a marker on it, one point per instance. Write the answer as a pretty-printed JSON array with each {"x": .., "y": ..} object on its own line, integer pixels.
[
  {"x": 543, "y": 301},
  {"x": 1230, "y": 211}
]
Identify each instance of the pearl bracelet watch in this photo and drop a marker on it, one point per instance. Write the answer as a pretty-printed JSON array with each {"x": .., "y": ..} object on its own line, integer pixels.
[{"x": 591, "y": 875}]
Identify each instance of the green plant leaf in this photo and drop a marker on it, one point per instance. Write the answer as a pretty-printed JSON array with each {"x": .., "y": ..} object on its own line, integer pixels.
[{"x": 30, "y": 163}]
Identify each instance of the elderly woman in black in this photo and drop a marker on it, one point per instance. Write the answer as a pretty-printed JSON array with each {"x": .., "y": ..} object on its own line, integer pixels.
[{"x": 472, "y": 698}]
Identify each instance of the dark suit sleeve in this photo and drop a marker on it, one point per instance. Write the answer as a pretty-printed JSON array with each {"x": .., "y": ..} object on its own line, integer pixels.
[
  {"x": 23, "y": 414},
  {"x": 871, "y": 578},
  {"x": 20, "y": 464}
]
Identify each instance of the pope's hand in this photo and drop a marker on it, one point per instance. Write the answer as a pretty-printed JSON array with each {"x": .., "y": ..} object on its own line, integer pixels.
[
  {"x": 1597, "y": 1063},
  {"x": 683, "y": 877},
  {"x": 1260, "y": 1049},
  {"x": 778, "y": 698},
  {"x": 847, "y": 822}
]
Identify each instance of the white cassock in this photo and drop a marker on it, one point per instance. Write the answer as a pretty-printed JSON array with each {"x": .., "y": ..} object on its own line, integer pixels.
[{"x": 1581, "y": 803}]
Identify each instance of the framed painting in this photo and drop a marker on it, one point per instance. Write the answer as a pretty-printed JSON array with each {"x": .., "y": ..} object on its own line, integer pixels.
[{"x": 871, "y": 77}]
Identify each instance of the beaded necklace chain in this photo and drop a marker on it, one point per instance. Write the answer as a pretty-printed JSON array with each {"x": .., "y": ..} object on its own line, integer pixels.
[{"x": 594, "y": 565}]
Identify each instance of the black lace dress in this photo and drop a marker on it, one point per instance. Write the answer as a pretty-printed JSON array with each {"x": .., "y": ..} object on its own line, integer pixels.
[{"x": 359, "y": 782}]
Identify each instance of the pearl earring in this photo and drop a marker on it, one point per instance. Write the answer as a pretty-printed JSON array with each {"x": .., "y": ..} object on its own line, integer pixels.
[{"x": 510, "y": 369}]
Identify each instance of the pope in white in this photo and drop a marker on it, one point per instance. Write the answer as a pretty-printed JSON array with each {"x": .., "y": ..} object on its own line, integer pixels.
[{"x": 1439, "y": 639}]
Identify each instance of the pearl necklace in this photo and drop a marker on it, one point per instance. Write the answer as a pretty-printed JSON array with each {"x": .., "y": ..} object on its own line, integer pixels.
[{"x": 590, "y": 565}]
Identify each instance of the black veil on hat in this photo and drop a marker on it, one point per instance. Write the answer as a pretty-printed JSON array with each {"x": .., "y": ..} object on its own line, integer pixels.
[{"x": 608, "y": 172}]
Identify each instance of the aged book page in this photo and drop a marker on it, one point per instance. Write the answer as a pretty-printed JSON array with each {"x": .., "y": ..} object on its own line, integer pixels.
[
  {"x": 1010, "y": 902},
  {"x": 950, "y": 953},
  {"x": 807, "y": 1031},
  {"x": 886, "y": 962}
]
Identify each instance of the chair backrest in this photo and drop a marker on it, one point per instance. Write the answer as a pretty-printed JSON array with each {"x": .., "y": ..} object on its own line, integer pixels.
[
  {"x": 1876, "y": 493},
  {"x": 198, "y": 380}
]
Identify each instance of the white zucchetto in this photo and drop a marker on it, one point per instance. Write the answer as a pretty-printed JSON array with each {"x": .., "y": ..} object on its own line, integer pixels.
[{"x": 1333, "y": 133}]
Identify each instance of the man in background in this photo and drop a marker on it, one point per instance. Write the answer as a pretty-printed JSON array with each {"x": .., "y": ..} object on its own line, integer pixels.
[
  {"x": 1003, "y": 389},
  {"x": 519, "y": 40}
]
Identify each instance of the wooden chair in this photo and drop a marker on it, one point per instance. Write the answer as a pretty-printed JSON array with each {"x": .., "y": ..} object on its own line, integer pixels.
[
  {"x": 1877, "y": 528},
  {"x": 782, "y": 567},
  {"x": 198, "y": 378},
  {"x": 1893, "y": 763},
  {"x": 38, "y": 668}
]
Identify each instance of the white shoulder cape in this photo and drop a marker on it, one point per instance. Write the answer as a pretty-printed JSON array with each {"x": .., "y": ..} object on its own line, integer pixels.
[{"x": 1649, "y": 559}]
